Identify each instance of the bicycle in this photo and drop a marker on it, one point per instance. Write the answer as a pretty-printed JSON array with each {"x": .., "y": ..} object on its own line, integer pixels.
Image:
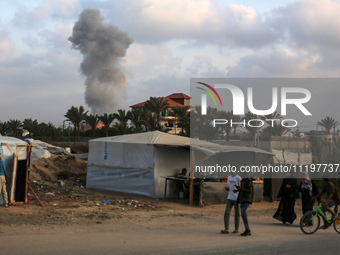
[{"x": 310, "y": 221}]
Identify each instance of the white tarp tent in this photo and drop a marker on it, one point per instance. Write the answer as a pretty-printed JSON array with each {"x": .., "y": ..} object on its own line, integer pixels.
[
  {"x": 15, "y": 154},
  {"x": 134, "y": 163}
]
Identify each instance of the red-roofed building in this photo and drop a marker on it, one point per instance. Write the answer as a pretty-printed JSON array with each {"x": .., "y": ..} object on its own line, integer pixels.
[{"x": 175, "y": 99}]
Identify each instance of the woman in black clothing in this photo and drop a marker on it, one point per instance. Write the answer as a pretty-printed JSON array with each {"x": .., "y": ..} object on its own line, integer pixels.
[
  {"x": 287, "y": 195},
  {"x": 308, "y": 190}
]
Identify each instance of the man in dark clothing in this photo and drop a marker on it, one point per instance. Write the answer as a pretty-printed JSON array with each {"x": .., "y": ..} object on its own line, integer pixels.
[
  {"x": 332, "y": 198},
  {"x": 245, "y": 198}
]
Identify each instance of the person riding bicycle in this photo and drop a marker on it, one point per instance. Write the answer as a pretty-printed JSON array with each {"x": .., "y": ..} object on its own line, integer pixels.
[{"x": 332, "y": 199}]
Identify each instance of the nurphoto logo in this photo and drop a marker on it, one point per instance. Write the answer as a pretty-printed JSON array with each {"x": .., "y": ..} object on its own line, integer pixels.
[{"x": 288, "y": 96}]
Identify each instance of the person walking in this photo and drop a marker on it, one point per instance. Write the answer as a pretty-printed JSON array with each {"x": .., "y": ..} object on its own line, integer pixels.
[
  {"x": 3, "y": 181},
  {"x": 245, "y": 198},
  {"x": 287, "y": 195},
  {"x": 308, "y": 190},
  {"x": 233, "y": 180}
]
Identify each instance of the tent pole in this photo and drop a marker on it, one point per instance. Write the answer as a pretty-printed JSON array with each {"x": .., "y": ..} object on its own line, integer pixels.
[
  {"x": 35, "y": 195},
  {"x": 191, "y": 187}
]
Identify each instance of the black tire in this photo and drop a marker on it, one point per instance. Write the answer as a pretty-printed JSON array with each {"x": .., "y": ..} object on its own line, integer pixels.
[
  {"x": 336, "y": 224},
  {"x": 310, "y": 222}
]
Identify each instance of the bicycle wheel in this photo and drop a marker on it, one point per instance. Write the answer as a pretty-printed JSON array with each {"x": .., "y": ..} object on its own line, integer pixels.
[
  {"x": 336, "y": 224},
  {"x": 310, "y": 222}
]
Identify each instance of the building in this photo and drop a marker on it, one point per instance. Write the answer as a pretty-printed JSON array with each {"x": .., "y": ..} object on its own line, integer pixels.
[{"x": 168, "y": 121}]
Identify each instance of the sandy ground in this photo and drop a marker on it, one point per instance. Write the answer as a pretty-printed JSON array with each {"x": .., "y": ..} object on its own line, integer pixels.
[{"x": 76, "y": 220}]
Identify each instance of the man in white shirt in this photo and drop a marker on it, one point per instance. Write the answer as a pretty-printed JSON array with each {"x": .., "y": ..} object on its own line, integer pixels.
[{"x": 233, "y": 180}]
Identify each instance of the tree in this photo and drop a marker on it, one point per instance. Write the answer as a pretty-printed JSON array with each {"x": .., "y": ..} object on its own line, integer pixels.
[
  {"x": 157, "y": 105},
  {"x": 236, "y": 119},
  {"x": 183, "y": 115},
  {"x": 135, "y": 118},
  {"x": 272, "y": 124},
  {"x": 54, "y": 133},
  {"x": 328, "y": 123},
  {"x": 253, "y": 130},
  {"x": 28, "y": 125},
  {"x": 76, "y": 116},
  {"x": 4, "y": 128},
  {"x": 148, "y": 120},
  {"x": 226, "y": 127},
  {"x": 121, "y": 128},
  {"x": 93, "y": 121},
  {"x": 122, "y": 116},
  {"x": 14, "y": 127},
  {"x": 107, "y": 119}
]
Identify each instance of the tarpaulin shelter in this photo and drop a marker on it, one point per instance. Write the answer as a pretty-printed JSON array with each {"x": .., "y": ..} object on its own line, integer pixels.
[
  {"x": 16, "y": 154},
  {"x": 134, "y": 163}
]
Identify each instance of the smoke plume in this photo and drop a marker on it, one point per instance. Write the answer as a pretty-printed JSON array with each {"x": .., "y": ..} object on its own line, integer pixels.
[{"x": 102, "y": 45}]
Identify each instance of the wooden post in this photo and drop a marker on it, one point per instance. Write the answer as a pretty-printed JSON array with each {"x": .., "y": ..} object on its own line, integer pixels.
[
  {"x": 35, "y": 195},
  {"x": 192, "y": 170}
]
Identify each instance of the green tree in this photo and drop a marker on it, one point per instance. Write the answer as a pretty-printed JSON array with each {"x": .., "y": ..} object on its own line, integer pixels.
[
  {"x": 122, "y": 128},
  {"x": 183, "y": 115},
  {"x": 148, "y": 120},
  {"x": 122, "y": 116},
  {"x": 157, "y": 105},
  {"x": 328, "y": 123},
  {"x": 93, "y": 121},
  {"x": 107, "y": 119},
  {"x": 4, "y": 128},
  {"x": 253, "y": 129},
  {"x": 14, "y": 127},
  {"x": 54, "y": 133},
  {"x": 135, "y": 118},
  {"x": 76, "y": 115}
]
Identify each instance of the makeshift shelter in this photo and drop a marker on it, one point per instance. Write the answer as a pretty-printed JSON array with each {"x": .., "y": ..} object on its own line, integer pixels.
[
  {"x": 134, "y": 163},
  {"x": 16, "y": 154}
]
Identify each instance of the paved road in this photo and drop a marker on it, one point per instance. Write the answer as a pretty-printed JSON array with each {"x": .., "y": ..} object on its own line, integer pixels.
[{"x": 267, "y": 238}]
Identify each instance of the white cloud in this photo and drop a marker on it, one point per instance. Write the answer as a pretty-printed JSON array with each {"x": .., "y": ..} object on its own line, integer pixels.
[{"x": 152, "y": 21}]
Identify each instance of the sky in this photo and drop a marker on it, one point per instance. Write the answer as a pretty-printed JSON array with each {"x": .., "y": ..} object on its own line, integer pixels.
[{"x": 169, "y": 42}]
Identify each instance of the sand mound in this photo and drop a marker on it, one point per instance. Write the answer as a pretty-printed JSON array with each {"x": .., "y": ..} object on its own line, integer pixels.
[{"x": 57, "y": 167}]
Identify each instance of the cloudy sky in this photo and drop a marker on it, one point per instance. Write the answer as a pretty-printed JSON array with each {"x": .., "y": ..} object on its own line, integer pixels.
[{"x": 171, "y": 41}]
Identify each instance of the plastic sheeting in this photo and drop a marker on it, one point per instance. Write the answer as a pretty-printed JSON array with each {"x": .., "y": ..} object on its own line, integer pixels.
[
  {"x": 9, "y": 146},
  {"x": 135, "y": 163}
]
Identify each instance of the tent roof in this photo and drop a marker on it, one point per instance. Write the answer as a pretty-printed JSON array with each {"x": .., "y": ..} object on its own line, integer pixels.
[
  {"x": 158, "y": 138},
  {"x": 11, "y": 140}
]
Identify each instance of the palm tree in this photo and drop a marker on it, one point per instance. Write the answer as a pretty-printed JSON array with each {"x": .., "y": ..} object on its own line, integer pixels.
[
  {"x": 121, "y": 128},
  {"x": 135, "y": 118},
  {"x": 226, "y": 127},
  {"x": 93, "y": 121},
  {"x": 107, "y": 119},
  {"x": 252, "y": 130},
  {"x": 272, "y": 124},
  {"x": 148, "y": 120},
  {"x": 122, "y": 116},
  {"x": 76, "y": 116},
  {"x": 54, "y": 133},
  {"x": 157, "y": 105},
  {"x": 4, "y": 128},
  {"x": 236, "y": 119},
  {"x": 14, "y": 126},
  {"x": 183, "y": 115},
  {"x": 37, "y": 128},
  {"x": 328, "y": 123},
  {"x": 28, "y": 125}
]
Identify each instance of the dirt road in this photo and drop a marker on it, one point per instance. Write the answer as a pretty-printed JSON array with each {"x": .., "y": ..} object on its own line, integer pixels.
[{"x": 180, "y": 230}]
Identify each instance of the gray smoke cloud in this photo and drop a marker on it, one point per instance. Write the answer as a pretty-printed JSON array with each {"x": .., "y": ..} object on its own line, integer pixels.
[{"x": 102, "y": 45}]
